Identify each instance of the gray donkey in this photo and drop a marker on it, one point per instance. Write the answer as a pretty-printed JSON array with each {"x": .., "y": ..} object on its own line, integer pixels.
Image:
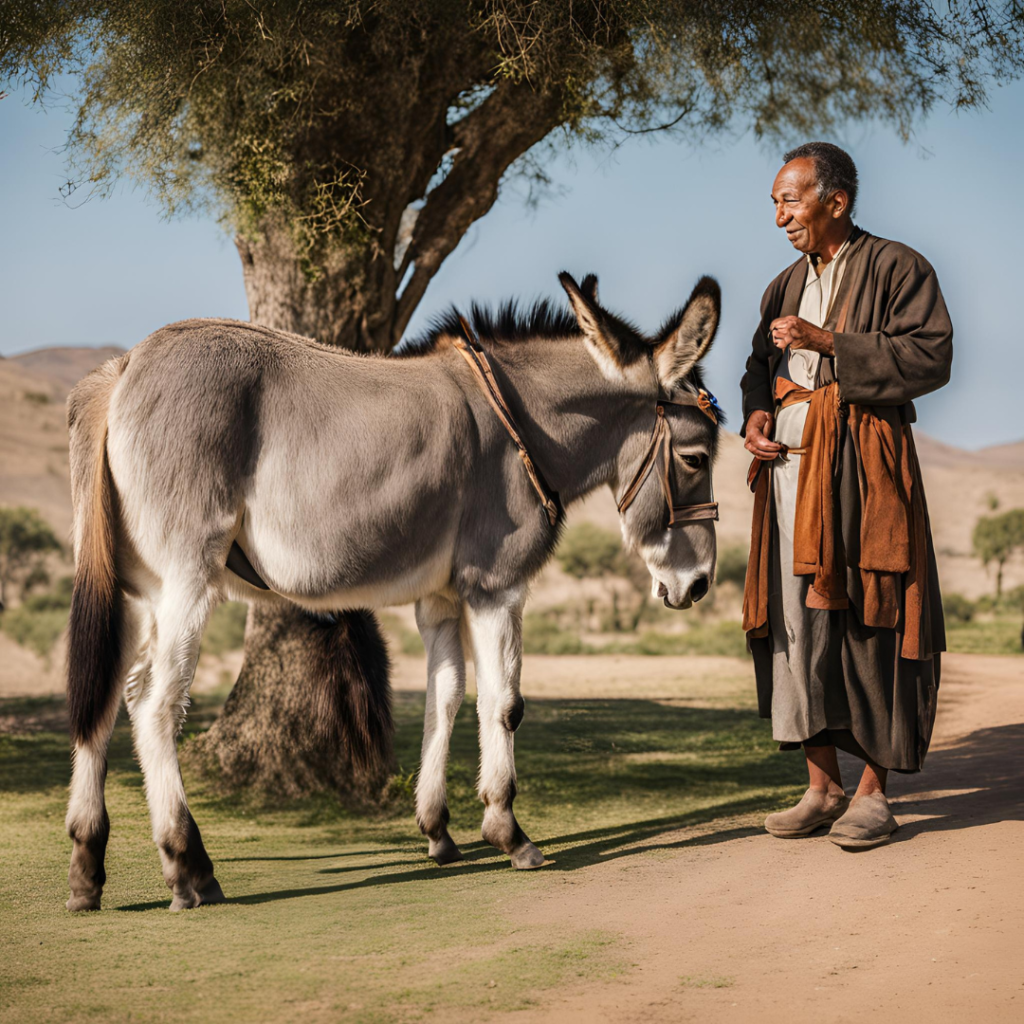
[{"x": 222, "y": 459}]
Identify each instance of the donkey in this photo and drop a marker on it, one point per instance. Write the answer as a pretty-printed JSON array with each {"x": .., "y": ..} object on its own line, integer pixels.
[{"x": 332, "y": 480}]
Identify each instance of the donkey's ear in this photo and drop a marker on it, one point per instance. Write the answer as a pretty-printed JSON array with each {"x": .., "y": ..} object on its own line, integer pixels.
[
  {"x": 598, "y": 335},
  {"x": 687, "y": 336}
]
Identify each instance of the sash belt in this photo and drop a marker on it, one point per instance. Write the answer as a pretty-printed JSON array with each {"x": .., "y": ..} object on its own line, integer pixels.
[{"x": 893, "y": 538}]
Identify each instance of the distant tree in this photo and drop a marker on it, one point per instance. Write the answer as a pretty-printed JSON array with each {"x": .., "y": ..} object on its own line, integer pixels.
[
  {"x": 996, "y": 538},
  {"x": 25, "y": 538},
  {"x": 731, "y": 565},
  {"x": 587, "y": 551},
  {"x": 957, "y": 608},
  {"x": 349, "y": 145}
]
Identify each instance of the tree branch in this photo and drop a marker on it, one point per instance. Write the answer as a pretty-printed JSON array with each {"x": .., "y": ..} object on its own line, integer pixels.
[{"x": 511, "y": 120}]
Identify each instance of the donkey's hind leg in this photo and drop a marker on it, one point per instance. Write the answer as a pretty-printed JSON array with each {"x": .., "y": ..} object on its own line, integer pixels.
[
  {"x": 438, "y": 621},
  {"x": 87, "y": 822},
  {"x": 495, "y": 632},
  {"x": 158, "y": 713}
]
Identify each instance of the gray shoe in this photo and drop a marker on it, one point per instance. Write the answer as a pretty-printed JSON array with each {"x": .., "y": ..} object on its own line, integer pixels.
[
  {"x": 867, "y": 823},
  {"x": 814, "y": 810}
]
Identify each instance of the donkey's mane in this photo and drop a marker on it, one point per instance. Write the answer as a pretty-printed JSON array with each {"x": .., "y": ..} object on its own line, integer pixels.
[
  {"x": 513, "y": 322},
  {"x": 510, "y": 322}
]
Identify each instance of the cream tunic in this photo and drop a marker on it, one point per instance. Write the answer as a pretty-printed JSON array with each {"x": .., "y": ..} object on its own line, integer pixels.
[{"x": 798, "y": 710}]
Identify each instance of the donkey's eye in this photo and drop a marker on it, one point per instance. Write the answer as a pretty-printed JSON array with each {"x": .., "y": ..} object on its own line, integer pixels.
[{"x": 693, "y": 461}]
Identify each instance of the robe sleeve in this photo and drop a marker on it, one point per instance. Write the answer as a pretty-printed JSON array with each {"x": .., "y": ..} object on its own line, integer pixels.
[
  {"x": 756, "y": 383},
  {"x": 912, "y": 354}
]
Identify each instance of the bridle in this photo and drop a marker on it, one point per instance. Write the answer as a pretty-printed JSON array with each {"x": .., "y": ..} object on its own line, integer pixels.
[
  {"x": 661, "y": 445},
  {"x": 661, "y": 440}
]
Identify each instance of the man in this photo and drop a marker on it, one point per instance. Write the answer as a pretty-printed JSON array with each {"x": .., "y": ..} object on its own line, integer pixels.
[{"x": 841, "y": 605}]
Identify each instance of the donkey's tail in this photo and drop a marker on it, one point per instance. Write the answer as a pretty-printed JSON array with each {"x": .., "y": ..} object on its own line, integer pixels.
[
  {"x": 350, "y": 676},
  {"x": 95, "y": 629}
]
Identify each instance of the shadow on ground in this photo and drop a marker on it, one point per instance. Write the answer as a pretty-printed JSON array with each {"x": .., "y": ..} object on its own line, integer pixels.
[{"x": 585, "y": 760}]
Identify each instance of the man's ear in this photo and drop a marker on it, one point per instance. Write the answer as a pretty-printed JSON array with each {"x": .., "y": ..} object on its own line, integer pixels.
[
  {"x": 687, "y": 336},
  {"x": 598, "y": 335}
]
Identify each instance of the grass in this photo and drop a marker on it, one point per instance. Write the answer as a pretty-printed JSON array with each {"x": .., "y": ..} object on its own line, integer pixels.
[
  {"x": 338, "y": 916},
  {"x": 992, "y": 636},
  {"x": 542, "y": 634}
]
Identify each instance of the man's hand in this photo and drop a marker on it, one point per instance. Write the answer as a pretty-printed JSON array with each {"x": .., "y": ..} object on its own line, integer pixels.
[
  {"x": 791, "y": 331},
  {"x": 760, "y": 424}
]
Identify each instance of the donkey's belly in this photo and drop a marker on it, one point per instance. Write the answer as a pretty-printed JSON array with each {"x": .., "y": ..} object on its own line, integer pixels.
[{"x": 331, "y": 573}]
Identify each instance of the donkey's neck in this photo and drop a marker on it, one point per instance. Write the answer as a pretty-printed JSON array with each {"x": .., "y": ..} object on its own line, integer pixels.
[{"x": 575, "y": 422}]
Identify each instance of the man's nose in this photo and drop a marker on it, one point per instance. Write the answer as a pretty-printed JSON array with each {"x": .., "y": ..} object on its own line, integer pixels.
[{"x": 782, "y": 216}]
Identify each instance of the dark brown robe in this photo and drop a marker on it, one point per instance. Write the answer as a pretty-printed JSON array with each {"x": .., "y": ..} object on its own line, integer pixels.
[{"x": 897, "y": 345}]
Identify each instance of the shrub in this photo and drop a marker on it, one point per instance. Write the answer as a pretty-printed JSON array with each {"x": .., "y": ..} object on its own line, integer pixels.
[
  {"x": 36, "y": 629},
  {"x": 226, "y": 629},
  {"x": 408, "y": 640},
  {"x": 588, "y": 550},
  {"x": 722, "y": 638},
  {"x": 543, "y": 635},
  {"x": 731, "y": 566},
  {"x": 957, "y": 608},
  {"x": 25, "y": 539}
]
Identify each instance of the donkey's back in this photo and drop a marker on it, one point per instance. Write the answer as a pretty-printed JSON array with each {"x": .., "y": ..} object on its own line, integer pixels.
[{"x": 333, "y": 471}]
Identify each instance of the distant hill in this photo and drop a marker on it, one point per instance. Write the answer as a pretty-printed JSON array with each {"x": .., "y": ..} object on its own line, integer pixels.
[
  {"x": 934, "y": 453},
  {"x": 34, "y": 470},
  {"x": 65, "y": 367},
  {"x": 1010, "y": 455}
]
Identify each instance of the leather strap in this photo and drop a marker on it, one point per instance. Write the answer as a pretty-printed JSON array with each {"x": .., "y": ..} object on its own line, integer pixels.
[
  {"x": 476, "y": 358},
  {"x": 661, "y": 444}
]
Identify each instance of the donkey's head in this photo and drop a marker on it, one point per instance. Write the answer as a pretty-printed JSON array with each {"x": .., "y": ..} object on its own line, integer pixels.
[{"x": 663, "y": 479}]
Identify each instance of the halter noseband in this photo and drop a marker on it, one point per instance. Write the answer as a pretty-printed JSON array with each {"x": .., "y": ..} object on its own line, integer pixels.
[{"x": 661, "y": 444}]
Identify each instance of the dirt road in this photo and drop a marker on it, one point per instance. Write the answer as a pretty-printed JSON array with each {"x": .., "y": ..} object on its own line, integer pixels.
[{"x": 728, "y": 924}]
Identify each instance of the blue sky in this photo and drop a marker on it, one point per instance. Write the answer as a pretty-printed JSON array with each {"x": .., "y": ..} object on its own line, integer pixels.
[{"x": 648, "y": 218}]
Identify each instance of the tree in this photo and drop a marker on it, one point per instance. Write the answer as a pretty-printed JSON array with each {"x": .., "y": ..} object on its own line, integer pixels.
[
  {"x": 587, "y": 551},
  {"x": 25, "y": 539},
  {"x": 996, "y": 538},
  {"x": 350, "y": 144}
]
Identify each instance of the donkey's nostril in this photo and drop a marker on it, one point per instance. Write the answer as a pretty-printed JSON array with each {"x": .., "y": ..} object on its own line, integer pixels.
[{"x": 700, "y": 588}]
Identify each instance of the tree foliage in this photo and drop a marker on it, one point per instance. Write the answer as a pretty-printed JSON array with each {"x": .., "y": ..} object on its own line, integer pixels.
[
  {"x": 996, "y": 538},
  {"x": 587, "y": 550},
  {"x": 363, "y": 137},
  {"x": 25, "y": 538}
]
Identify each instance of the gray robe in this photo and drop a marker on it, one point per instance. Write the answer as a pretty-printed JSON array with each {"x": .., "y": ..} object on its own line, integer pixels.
[{"x": 897, "y": 346}]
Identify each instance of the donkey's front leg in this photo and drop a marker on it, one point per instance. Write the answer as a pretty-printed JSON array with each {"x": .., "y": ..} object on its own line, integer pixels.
[
  {"x": 438, "y": 619},
  {"x": 495, "y": 630}
]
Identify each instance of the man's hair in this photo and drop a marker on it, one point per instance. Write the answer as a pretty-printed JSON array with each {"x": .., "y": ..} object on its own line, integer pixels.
[{"x": 834, "y": 168}]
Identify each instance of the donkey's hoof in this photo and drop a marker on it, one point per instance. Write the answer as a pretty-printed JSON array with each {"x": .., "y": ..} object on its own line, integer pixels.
[
  {"x": 211, "y": 893},
  {"x": 184, "y": 901},
  {"x": 79, "y": 903},
  {"x": 444, "y": 851},
  {"x": 190, "y": 898},
  {"x": 527, "y": 857}
]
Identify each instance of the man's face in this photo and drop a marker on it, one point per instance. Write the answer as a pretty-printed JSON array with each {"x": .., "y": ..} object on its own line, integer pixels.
[{"x": 808, "y": 222}]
